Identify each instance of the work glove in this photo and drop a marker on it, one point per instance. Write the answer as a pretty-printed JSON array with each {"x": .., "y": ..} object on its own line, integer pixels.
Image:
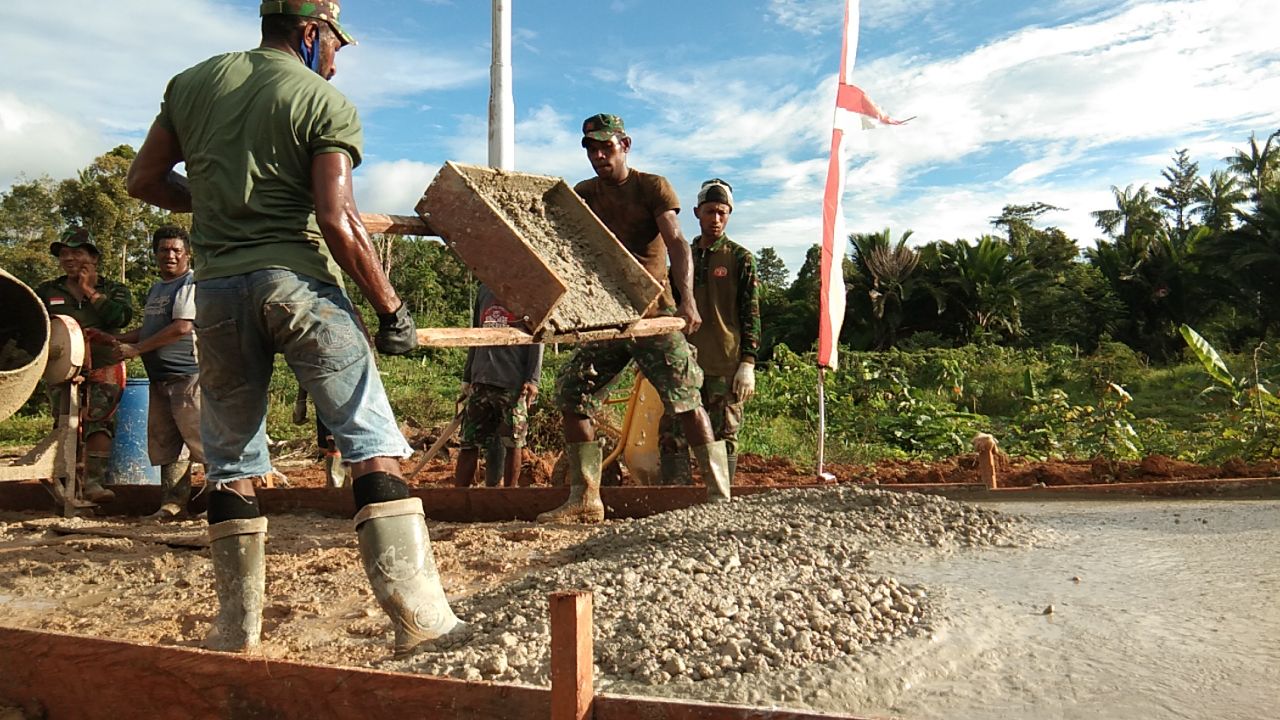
[
  {"x": 744, "y": 381},
  {"x": 397, "y": 334}
]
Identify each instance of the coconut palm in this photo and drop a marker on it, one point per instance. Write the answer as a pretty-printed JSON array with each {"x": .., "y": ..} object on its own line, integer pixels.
[
  {"x": 1215, "y": 200},
  {"x": 1259, "y": 167}
]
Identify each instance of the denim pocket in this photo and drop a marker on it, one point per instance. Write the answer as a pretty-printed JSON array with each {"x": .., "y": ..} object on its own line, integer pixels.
[{"x": 222, "y": 370}]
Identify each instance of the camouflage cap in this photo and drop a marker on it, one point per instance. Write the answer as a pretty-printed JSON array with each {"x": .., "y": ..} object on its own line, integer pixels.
[
  {"x": 716, "y": 190},
  {"x": 74, "y": 237},
  {"x": 326, "y": 10},
  {"x": 602, "y": 126}
]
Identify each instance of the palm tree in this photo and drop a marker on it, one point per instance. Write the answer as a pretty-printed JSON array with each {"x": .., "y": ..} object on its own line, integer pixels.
[
  {"x": 1216, "y": 200},
  {"x": 885, "y": 269},
  {"x": 986, "y": 280},
  {"x": 1135, "y": 219},
  {"x": 1247, "y": 262},
  {"x": 1259, "y": 166}
]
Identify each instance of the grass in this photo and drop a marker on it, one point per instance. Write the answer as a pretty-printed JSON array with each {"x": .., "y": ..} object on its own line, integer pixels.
[{"x": 1168, "y": 408}]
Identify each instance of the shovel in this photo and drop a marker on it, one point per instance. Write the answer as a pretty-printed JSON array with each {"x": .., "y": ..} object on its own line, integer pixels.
[{"x": 439, "y": 444}]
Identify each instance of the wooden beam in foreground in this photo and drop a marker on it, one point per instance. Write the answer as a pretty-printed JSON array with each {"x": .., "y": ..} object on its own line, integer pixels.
[
  {"x": 396, "y": 224},
  {"x": 111, "y": 679},
  {"x": 572, "y": 659},
  {"x": 478, "y": 337}
]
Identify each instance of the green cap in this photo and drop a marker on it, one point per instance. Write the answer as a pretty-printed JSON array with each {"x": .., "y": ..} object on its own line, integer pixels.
[
  {"x": 602, "y": 127},
  {"x": 75, "y": 237},
  {"x": 326, "y": 10}
]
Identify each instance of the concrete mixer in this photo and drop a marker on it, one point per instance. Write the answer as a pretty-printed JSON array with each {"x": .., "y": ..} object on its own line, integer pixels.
[{"x": 35, "y": 346}]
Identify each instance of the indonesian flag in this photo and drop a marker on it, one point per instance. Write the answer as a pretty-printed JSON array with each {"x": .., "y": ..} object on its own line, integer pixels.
[{"x": 852, "y": 106}]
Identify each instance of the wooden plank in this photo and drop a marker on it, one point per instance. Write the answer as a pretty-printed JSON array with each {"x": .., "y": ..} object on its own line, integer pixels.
[
  {"x": 622, "y": 707},
  {"x": 488, "y": 337},
  {"x": 396, "y": 224},
  {"x": 572, "y": 658},
  {"x": 114, "y": 679}
]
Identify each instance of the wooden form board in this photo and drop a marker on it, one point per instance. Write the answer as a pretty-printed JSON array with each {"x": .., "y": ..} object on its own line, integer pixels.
[
  {"x": 65, "y": 676},
  {"x": 449, "y": 504}
]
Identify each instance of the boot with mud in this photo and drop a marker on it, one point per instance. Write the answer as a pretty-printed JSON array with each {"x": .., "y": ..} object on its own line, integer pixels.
[
  {"x": 713, "y": 463},
  {"x": 674, "y": 469},
  {"x": 733, "y": 465},
  {"x": 395, "y": 550},
  {"x": 238, "y": 548},
  {"x": 584, "y": 504},
  {"x": 175, "y": 478},
  {"x": 95, "y": 473}
]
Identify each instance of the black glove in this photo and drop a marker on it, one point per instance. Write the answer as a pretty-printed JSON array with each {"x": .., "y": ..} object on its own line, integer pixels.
[{"x": 397, "y": 334}]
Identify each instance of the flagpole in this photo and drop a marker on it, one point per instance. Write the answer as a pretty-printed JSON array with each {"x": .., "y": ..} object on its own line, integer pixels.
[{"x": 822, "y": 421}]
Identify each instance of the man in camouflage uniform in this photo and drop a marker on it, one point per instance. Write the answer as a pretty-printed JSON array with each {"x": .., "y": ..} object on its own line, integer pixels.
[
  {"x": 726, "y": 288},
  {"x": 640, "y": 208},
  {"x": 101, "y": 306},
  {"x": 270, "y": 146},
  {"x": 499, "y": 383}
]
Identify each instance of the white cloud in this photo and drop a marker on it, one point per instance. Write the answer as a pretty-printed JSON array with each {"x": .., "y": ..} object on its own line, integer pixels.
[
  {"x": 392, "y": 187},
  {"x": 99, "y": 72}
]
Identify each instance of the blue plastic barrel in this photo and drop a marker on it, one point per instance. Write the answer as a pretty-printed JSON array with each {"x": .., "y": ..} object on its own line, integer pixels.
[{"x": 130, "y": 463}]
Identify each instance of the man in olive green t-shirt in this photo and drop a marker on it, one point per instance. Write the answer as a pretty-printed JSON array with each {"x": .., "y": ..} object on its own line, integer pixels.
[
  {"x": 269, "y": 147},
  {"x": 640, "y": 209}
]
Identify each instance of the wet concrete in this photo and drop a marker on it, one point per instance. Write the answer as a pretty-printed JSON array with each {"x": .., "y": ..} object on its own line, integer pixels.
[{"x": 1160, "y": 609}]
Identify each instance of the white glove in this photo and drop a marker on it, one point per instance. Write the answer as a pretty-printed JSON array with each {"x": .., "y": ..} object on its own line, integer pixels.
[
  {"x": 744, "y": 381},
  {"x": 465, "y": 389}
]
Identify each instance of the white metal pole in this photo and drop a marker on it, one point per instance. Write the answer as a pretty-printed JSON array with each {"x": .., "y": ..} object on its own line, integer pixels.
[
  {"x": 822, "y": 419},
  {"x": 502, "y": 124}
]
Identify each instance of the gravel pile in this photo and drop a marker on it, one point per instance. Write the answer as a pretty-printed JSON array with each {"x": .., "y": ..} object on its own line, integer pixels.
[{"x": 772, "y": 581}]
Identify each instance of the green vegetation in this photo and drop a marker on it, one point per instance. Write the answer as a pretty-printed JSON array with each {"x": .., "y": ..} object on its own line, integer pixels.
[{"x": 1056, "y": 352}]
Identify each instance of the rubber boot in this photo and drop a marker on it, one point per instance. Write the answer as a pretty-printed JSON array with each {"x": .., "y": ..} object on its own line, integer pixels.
[
  {"x": 175, "y": 478},
  {"x": 495, "y": 462},
  {"x": 238, "y": 548},
  {"x": 583, "y": 505},
  {"x": 733, "y": 465},
  {"x": 396, "y": 552},
  {"x": 713, "y": 462},
  {"x": 95, "y": 472},
  {"x": 675, "y": 469}
]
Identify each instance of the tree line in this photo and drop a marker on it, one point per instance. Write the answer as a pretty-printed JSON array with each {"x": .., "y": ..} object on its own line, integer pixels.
[{"x": 1189, "y": 249}]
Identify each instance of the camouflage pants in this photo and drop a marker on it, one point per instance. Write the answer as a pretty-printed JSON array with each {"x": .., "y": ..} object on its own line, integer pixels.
[
  {"x": 494, "y": 411},
  {"x": 102, "y": 390},
  {"x": 724, "y": 409},
  {"x": 668, "y": 361}
]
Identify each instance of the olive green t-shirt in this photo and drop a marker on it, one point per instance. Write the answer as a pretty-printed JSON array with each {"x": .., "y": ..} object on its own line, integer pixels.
[
  {"x": 249, "y": 124},
  {"x": 630, "y": 210}
]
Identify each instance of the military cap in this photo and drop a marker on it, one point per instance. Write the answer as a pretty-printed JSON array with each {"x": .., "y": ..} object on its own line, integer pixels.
[
  {"x": 602, "y": 127},
  {"x": 326, "y": 10},
  {"x": 74, "y": 237}
]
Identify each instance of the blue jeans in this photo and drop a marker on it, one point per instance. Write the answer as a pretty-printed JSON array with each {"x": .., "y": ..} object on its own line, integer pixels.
[{"x": 242, "y": 321}]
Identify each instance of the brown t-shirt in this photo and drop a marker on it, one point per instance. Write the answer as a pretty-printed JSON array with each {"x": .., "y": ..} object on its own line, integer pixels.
[{"x": 630, "y": 210}]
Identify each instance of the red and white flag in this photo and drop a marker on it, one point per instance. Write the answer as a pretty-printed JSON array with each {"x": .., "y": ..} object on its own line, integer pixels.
[{"x": 852, "y": 106}]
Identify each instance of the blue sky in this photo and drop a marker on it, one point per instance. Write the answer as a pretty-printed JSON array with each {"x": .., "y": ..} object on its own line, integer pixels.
[{"x": 1015, "y": 102}]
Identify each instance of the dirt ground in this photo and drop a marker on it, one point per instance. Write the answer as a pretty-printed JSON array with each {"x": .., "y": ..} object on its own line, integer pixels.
[{"x": 130, "y": 580}]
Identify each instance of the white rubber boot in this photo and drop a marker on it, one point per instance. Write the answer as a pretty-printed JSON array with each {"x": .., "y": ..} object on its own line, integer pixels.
[
  {"x": 584, "y": 504},
  {"x": 239, "y": 576},
  {"x": 396, "y": 551},
  {"x": 713, "y": 462}
]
